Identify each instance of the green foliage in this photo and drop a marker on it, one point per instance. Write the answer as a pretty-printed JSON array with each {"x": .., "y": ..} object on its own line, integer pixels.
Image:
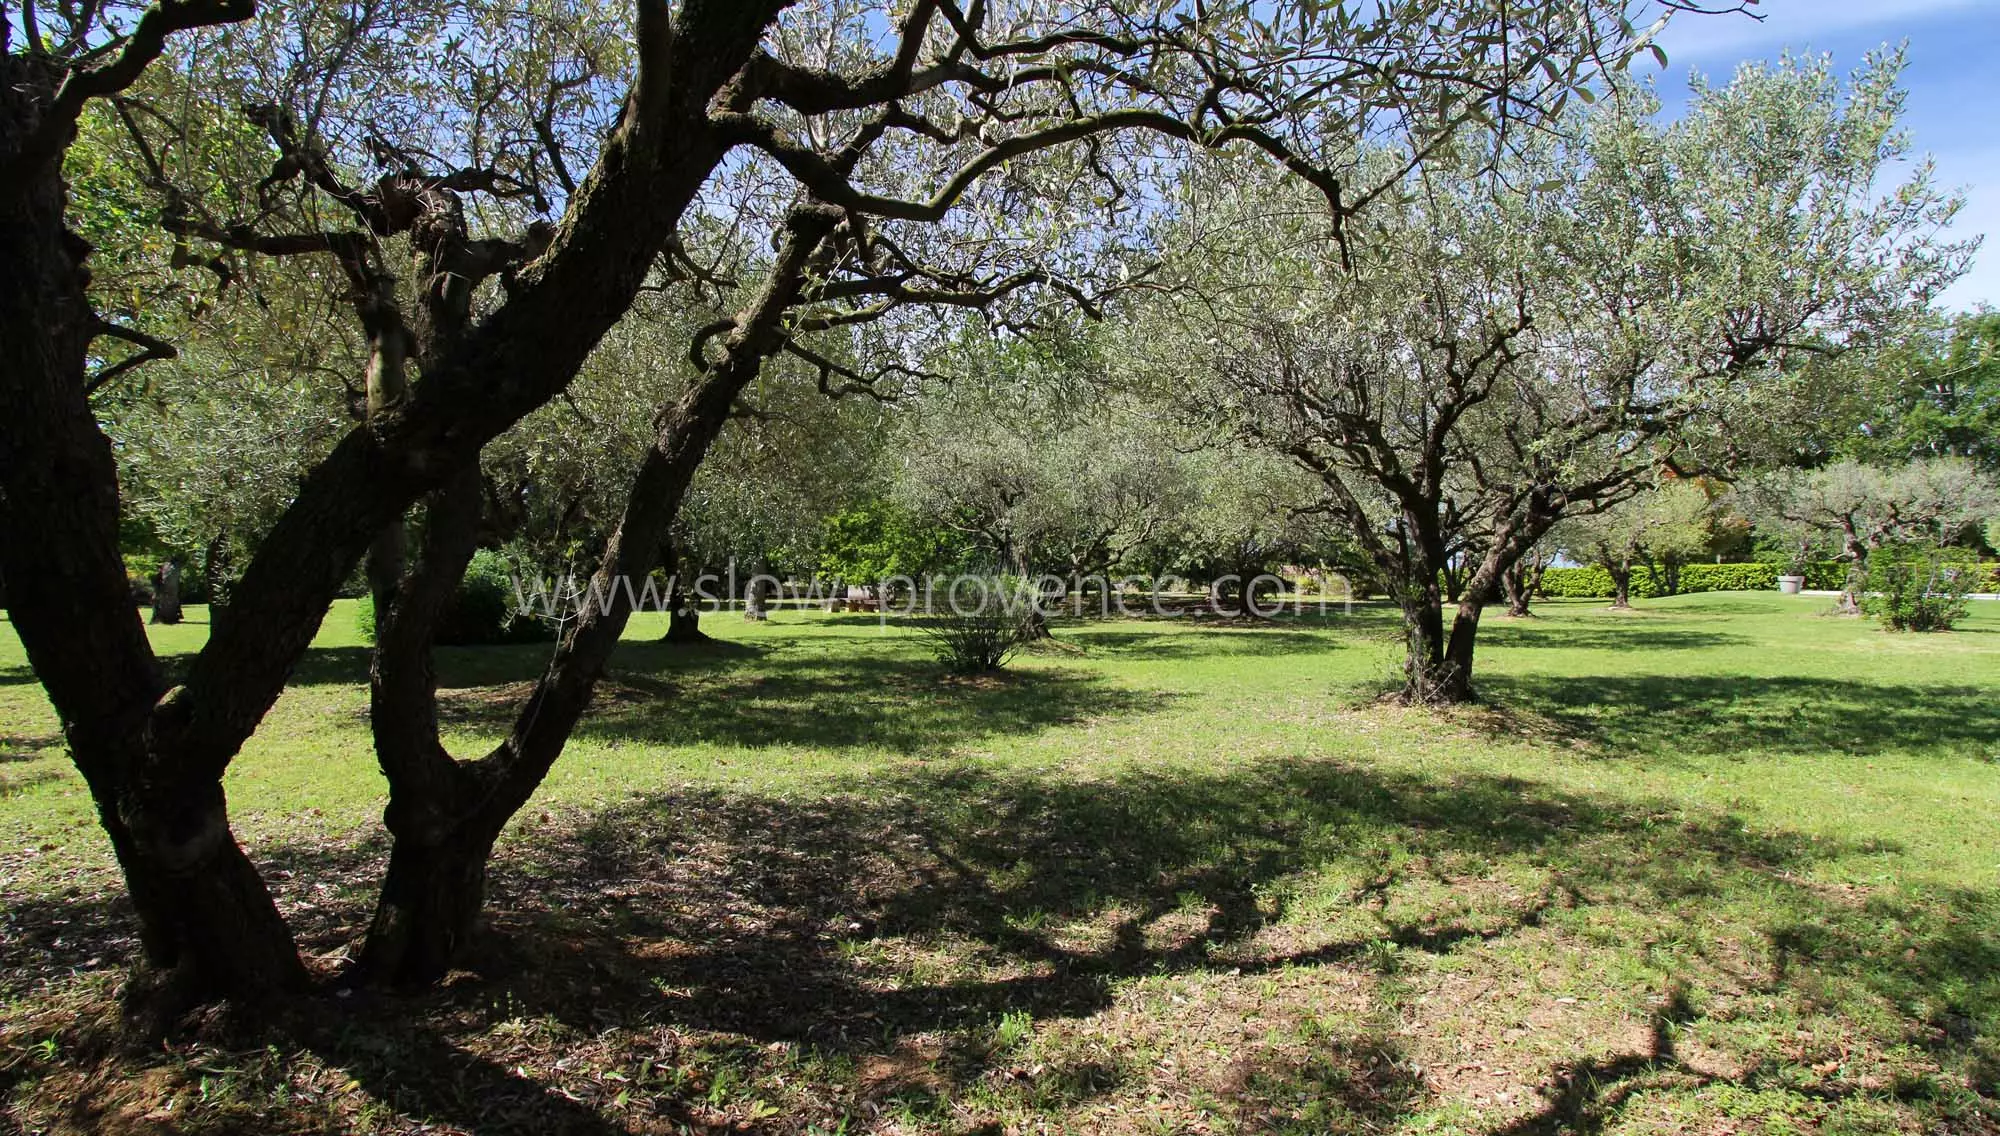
[
  {"x": 1930, "y": 500},
  {"x": 1633, "y": 251},
  {"x": 1590, "y": 581},
  {"x": 1826, "y": 575},
  {"x": 484, "y": 611},
  {"x": 979, "y": 625},
  {"x": 1668, "y": 523},
  {"x": 1036, "y": 463},
  {"x": 1593, "y": 582},
  {"x": 1724, "y": 578},
  {"x": 1939, "y": 396},
  {"x": 1919, "y": 588},
  {"x": 878, "y": 540}
]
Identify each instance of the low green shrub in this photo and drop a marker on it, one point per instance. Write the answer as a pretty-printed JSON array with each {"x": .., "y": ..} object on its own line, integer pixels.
[
  {"x": 482, "y": 613},
  {"x": 974, "y": 630},
  {"x": 1920, "y": 589}
]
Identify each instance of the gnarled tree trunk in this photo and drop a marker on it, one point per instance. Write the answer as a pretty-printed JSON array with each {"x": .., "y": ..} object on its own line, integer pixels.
[
  {"x": 683, "y": 614},
  {"x": 1856, "y": 550},
  {"x": 445, "y": 814},
  {"x": 1520, "y": 583},
  {"x": 206, "y": 920},
  {"x": 1439, "y": 664},
  {"x": 167, "y": 592},
  {"x": 1621, "y": 583},
  {"x": 1437, "y": 668},
  {"x": 154, "y": 758}
]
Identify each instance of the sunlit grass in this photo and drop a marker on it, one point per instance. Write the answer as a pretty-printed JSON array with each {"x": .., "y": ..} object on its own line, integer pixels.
[{"x": 1726, "y": 862}]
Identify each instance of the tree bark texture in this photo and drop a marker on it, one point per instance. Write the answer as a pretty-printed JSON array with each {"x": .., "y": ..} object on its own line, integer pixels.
[
  {"x": 204, "y": 913},
  {"x": 446, "y": 814}
]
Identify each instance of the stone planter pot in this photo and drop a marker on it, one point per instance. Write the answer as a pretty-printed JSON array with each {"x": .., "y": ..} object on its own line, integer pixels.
[{"x": 1790, "y": 585}]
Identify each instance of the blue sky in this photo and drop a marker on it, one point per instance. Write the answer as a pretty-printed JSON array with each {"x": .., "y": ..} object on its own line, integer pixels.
[{"x": 1952, "y": 79}]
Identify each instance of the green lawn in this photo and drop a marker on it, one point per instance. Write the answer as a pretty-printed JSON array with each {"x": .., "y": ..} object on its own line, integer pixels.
[{"x": 1727, "y": 864}]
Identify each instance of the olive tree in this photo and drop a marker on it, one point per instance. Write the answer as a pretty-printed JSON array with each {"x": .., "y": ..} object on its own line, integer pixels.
[
  {"x": 1027, "y": 453},
  {"x": 499, "y": 322},
  {"x": 1251, "y": 512},
  {"x": 1497, "y": 347},
  {"x": 1666, "y": 523},
  {"x": 1860, "y": 508}
]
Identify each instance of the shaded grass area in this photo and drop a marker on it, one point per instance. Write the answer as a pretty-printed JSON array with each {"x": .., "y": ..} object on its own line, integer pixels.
[
  {"x": 1723, "y": 715},
  {"x": 1167, "y": 880}
]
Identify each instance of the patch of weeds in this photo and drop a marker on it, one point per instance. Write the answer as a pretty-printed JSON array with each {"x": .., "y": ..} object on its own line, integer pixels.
[{"x": 1013, "y": 1028}]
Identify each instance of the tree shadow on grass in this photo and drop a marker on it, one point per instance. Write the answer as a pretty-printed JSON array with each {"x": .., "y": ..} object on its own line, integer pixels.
[
  {"x": 457, "y": 666},
  {"x": 1127, "y": 639},
  {"x": 1522, "y": 634},
  {"x": 1584, "y": 1096},
  {"x": 12, "y": 784},
  {"x": 1672, "y": 715},
  {"x": 912, "y": 910},
  {"x": 761, "y": 917},
  {"x": 29, "y": 747},
  {"x": 670, "y": 697},
  {"x": 411, "y": 1066},
  {"x": 1951, "y": 976},
  {"x": 996, "y": 858}
]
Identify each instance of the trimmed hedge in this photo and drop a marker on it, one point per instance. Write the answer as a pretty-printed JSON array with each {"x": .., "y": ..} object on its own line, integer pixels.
[
  {"x": 1826, "y": 575},
  {"x": 1592, "y": 582}
]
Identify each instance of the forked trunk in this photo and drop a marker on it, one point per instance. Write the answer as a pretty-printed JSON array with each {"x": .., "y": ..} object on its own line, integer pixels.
[
  {"x": 430, "y": 904},
  {"x": 154, "y": 760},
  {"x": 446, "y": 814},
  {"x": 1438, "y": 668},
  {"x": 435, "y": 884},
  {"x": 431, "y": 898}
]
